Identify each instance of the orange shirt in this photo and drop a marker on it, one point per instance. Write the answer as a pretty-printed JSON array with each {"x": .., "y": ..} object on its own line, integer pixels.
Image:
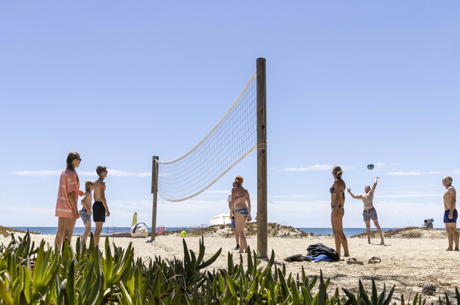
[{"x": 68, "y": 183}]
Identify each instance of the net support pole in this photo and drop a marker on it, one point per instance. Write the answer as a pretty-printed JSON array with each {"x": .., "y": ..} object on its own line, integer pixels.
[
  {"x": 262, "y": 224},
  {"x": 154, "y": 192}
]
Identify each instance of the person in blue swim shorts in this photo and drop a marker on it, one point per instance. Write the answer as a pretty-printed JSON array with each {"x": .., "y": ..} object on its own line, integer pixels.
[
  {"x": 237, "y": 237},
  {"x": 450, "y": 212}
]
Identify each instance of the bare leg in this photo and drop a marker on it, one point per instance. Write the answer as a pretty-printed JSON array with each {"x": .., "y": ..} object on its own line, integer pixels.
[
  {"x": 69, "y": 225},
  {"x": 237, "y": 237},
  {"x": 339, "y": 229},
  {"x": 376, "y": 222},
  {"x": 336, "y": 236},
  {"x": 97, "y": 232},
  {"x": 240, "y": 222},
  {"x": 452, "y": 235},
  {"x": 59, "y": 234},
  {"x": 87, "y": 230},
  {"x": 456, "y": 238},
  {"x": 368, "y": 230}
]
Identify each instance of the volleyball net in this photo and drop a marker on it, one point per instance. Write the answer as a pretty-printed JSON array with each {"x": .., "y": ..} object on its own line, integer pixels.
[{"x": 230, "y": 141}]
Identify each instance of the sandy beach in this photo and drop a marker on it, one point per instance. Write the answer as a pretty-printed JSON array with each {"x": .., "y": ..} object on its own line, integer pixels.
[{"x": 406, "y": 262}]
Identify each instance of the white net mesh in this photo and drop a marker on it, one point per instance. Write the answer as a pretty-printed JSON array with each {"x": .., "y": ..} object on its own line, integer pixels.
[{"x": 230, "y": 141}]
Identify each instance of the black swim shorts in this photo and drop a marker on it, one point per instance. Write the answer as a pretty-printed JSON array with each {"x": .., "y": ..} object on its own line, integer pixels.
[{"x": 98, "y": 212}]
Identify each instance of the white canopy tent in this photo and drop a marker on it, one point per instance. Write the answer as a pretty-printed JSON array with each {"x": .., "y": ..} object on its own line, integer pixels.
[{"x": 221, "y": 219}]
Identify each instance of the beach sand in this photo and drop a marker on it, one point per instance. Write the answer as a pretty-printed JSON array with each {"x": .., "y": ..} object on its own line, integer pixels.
[{"x": 406, "y": 262}]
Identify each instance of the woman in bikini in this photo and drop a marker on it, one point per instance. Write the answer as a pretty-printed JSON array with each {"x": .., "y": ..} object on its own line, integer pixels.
[
  {"x": 338, "y": 210},
  {"x": 241, "y": 211}
]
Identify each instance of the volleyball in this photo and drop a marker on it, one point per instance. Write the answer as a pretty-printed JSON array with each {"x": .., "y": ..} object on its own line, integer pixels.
[
  {"x": 370, "y": 166},
  {"x": 183, "y": 234}
]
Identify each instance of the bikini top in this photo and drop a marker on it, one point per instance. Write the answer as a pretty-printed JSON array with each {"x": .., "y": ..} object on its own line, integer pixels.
[
  {"x": 240, "y": 196},
  {"x": 332, "y": 191}
]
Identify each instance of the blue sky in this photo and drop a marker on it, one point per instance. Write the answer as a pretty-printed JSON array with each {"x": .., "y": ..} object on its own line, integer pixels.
[{"x": 347, "y": 83}]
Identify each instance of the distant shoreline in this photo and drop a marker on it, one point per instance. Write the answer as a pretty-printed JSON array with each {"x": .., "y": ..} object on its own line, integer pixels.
[{"x": 125, "y": 231}]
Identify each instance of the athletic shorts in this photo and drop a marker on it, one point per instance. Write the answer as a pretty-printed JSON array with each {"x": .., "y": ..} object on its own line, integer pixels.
[
  {"x": 98, "y": 212},
  {"x": 446, "y": 216},
  {"x": 233, "y": 223},
  {"x": 84, "y": 216},
  {"x": 370, "y": 214}
]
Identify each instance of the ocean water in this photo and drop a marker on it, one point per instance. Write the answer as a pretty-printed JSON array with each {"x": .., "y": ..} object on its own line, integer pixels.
[{"x": 80, "y": 230}]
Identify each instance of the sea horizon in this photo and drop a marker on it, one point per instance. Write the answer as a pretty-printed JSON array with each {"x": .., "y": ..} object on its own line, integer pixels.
[{"x": 80, "y": 230}]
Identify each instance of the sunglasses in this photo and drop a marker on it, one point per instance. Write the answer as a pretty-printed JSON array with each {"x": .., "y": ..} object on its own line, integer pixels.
[{"x": 79, "y": 159}]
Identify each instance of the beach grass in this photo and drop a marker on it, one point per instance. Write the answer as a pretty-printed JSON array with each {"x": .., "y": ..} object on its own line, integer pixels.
[{"x": 32, "y": 274}]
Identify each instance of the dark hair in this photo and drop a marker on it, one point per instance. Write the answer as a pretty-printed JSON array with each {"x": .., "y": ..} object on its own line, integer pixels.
[
  {"x": 238, "y": 181},
  {"x": 70, "y": 157},
  {"x": 100, "y": 169},
  {"x": 337, "y": 171}
]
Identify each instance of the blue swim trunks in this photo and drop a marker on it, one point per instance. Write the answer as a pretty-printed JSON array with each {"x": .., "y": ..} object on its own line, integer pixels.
[
  {"x": 244, "y": 212},
  {"x": 446, "y": 216},
  {"x": 84, "y": 216}
]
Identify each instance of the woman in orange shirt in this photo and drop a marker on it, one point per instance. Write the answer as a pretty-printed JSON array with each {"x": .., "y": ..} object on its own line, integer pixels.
[{"x": 66, "y": 205}]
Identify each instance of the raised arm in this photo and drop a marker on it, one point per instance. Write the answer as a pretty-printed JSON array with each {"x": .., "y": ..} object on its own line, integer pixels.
[
  {"x": 375, "y": 184},
  {"x": 351, "y": 194}
]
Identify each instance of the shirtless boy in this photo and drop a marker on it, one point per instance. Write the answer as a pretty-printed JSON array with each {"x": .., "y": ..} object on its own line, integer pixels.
[
  {"x": 100, "y": 208},
  {"x": 369, "y": 210},
  {"x": 450, "y": 212},
  {"x": 85, "y": 212}
]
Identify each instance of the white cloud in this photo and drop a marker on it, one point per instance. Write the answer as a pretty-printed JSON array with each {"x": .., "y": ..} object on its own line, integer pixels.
[
  {"x": 405, "y": 173},
  {"x": 38, "y": 173},
  {"x": 112, "y": 172},
  {"x": 298, "y": 196},
  {"x": 411, "y": 173},
  {"x": 28, "y": 210},
  {"x": 218, "y": 191},
  {"x": 408, "y": 195},
  {"x": 456, "y": 171},
  {"x": 316, "y": 167}
]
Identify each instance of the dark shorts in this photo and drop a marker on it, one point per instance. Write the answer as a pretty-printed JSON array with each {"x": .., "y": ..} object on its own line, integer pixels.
[
  {"x": 370, "y": 214},
  {"x": 446, "y": 216},
  {"x": 233, "y": 223},
  {"x": 84, "y": 216},
  {"x": 98, "y": 212}
]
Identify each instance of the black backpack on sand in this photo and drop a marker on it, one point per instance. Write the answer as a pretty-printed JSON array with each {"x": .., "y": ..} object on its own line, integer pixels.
[{"x": 317, "y": 249}]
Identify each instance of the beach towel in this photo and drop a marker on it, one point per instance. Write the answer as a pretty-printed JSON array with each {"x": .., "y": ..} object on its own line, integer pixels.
[
  {"x": 319, "y": 249},
  {"x": 321, "y": 258}
]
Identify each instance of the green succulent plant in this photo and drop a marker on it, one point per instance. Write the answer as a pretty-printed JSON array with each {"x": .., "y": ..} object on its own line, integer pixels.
[{"x": 35, "y": 275}]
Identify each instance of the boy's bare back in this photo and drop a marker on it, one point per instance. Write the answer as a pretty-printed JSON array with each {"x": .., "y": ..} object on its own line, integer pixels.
[{"x": 99, "y": 190}]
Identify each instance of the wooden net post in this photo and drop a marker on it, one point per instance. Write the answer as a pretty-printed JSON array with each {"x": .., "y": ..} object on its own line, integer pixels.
[
  {"x": 262, "y": 225},
  {"x": 154, "y": 192}
]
